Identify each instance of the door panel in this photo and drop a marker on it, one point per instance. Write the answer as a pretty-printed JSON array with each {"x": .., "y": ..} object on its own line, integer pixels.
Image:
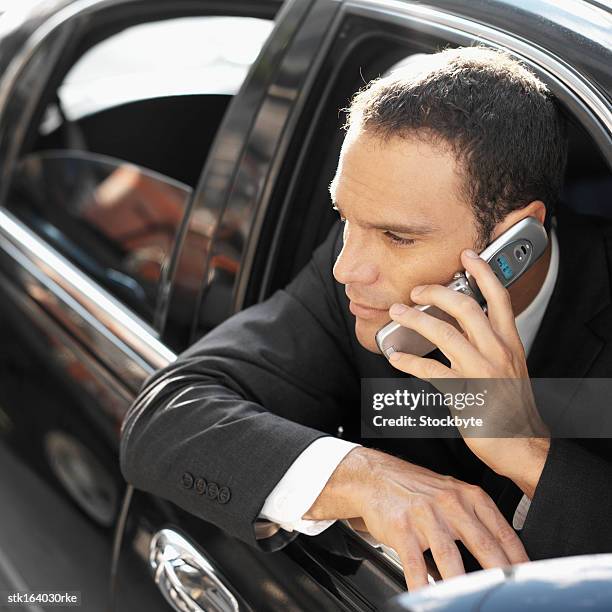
[{"x": 60, "y": 484}]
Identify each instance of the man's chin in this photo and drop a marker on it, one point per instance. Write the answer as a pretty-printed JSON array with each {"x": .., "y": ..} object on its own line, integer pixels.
[{"x": 366, "y": 332}]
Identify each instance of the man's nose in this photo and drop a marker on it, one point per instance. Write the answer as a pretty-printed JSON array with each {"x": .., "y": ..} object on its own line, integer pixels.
[{"x": 355, "y": 262}]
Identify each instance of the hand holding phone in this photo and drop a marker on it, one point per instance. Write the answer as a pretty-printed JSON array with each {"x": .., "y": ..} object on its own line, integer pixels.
[{"x": 509, "y": 256}]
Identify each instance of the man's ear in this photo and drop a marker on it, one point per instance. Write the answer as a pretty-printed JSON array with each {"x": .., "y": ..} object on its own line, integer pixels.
[{"x": 536, "y": 209}]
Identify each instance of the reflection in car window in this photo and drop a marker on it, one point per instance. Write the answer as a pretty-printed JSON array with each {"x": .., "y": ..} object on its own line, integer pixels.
[{"x": 115, "y": 220}]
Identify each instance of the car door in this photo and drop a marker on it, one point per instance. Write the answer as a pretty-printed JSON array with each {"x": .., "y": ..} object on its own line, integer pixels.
[
  {"x": 365, "y": 40},
  {"x": 107, "y": 115},
  {"x": 265, "y": 185}
]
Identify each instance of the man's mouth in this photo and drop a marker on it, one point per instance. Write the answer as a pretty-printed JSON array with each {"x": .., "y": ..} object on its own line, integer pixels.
[{"x": 366, "y": 312}]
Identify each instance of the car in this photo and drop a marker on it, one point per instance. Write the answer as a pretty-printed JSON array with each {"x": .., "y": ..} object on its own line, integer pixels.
[
  {"x": 165, "y": 164},
  {"x": 550, "y": 585}
]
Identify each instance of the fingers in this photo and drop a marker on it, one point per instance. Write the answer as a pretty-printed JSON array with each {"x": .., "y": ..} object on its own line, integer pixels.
[
  {"x": 445, "y": 552},
  {"x": 413, "y": 563},
  {"x": 494, "y": 520},
  {"x": 443, "y": 335},
  {"x": 415, "y": 510},
  {"x": 463, "y": 308},
  {"x": 478, "y": 539},
  {"x": 499, "y": 306},
  {"x": 420, "y": 367},
  {"x": 438, "y": 539},
  {"x": 487, "y": 536}
]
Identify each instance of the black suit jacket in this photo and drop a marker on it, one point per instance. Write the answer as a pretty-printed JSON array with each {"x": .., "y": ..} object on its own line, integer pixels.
[{"x": 216, "y": 430}]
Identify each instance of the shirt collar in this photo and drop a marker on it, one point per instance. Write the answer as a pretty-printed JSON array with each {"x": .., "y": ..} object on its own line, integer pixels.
[{"x": 528, "y": 322}]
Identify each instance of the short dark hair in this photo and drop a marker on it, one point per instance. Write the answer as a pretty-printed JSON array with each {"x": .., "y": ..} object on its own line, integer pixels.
[{"x": 500, "y": 121}]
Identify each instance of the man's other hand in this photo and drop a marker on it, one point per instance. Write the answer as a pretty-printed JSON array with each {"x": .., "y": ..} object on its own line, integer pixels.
[{"x": 412, "y": 509}]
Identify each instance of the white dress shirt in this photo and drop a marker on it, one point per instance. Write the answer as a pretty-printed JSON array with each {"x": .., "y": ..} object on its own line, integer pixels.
[{"x": 298, "y": 489}]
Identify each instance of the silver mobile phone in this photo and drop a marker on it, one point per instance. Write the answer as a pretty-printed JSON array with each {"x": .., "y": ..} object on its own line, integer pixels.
[{"x": 510, "y": 255}]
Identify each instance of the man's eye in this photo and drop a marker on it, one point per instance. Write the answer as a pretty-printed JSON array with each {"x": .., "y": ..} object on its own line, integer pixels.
[{"x": 398, "y": 240}]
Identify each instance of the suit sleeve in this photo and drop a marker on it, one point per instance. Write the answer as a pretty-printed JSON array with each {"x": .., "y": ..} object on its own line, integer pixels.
[
  {"x": 572, "y": 504},
  {"x": 215, "y": 430}
]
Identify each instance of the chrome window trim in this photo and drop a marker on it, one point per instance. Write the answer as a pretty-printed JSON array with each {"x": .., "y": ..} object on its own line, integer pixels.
[{"x": 98, "y": 311}]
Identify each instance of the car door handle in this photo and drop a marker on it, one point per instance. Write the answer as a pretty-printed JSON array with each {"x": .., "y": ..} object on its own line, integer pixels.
[{"x": 185, "y": 577}]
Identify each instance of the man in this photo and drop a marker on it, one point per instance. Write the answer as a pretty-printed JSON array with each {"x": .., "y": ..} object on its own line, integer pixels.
[{"x": 438, "y": 160}]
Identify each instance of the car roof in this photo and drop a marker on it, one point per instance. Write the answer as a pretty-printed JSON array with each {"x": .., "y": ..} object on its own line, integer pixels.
[{"x": 576, "y": 31}]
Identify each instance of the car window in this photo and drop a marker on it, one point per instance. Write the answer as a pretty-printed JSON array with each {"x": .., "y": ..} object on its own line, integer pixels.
[
  {"x": 121, "y": 141},
  {"x": 185, "y": 56},
  {"x": 154, "y": 93},
  {"x": 115, "y": 220}
]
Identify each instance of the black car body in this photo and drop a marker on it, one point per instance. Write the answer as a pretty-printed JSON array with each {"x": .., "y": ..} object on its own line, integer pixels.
[{"x": 225, "y": 196}]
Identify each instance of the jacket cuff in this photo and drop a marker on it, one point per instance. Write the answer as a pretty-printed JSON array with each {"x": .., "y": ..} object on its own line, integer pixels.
[{"x": 570, "y": 509}]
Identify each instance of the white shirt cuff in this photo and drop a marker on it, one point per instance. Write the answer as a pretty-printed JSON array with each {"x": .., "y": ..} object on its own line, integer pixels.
[
  {"x": 300, "y": 486},
  {"x": 520, "y": 514}
]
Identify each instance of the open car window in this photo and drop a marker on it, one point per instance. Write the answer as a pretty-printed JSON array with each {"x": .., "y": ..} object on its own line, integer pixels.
[
  {"x": 173, "y": 57},
  {"x": 154, "y": 93}
]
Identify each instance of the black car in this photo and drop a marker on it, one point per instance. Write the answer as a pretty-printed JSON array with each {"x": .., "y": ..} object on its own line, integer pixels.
[{"x": 163, "y": 165}]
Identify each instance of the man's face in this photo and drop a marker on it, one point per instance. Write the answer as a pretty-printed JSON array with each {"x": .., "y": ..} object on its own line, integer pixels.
[{"x": 406, "y": 224}]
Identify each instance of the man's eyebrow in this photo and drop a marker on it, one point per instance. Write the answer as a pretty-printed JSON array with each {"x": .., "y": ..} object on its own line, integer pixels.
[{"x": 418, "y": 229}]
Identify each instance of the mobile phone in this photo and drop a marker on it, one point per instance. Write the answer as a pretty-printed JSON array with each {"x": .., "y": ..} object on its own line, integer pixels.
[{"x": 510, "y": 255}]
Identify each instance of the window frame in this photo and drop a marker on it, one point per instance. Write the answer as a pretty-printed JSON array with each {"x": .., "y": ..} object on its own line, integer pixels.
[
  {"x": 460, "y": 31},
  {"x": 231, "y": 194},
  {"x": 130, "y": 347}
]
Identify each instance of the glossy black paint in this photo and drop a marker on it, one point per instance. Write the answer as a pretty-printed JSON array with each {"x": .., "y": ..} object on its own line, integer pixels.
[{"x": 264, "y": 184}]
